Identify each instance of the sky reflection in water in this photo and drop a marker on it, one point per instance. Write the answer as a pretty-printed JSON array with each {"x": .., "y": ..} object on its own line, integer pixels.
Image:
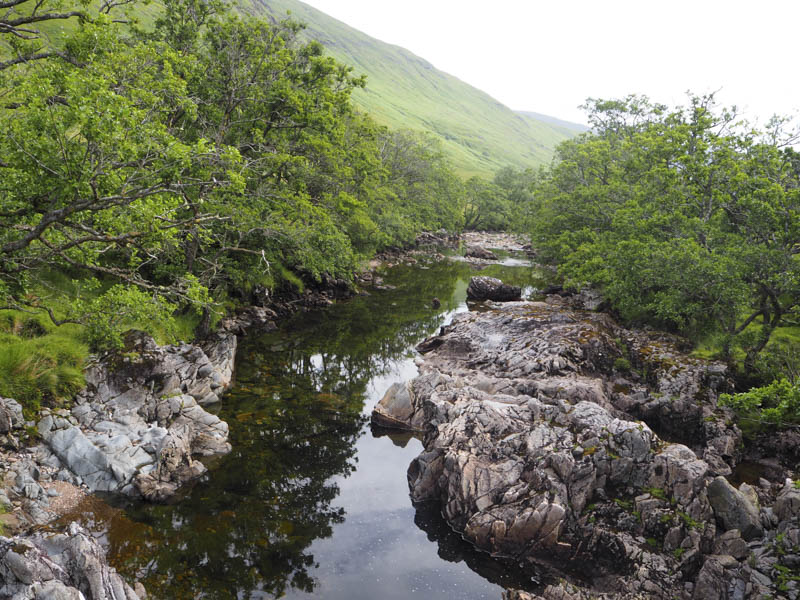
[{"x": 310, "y": 501}]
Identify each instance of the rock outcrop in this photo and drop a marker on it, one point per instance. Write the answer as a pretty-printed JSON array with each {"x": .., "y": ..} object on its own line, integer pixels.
[
  {"x": 734, "y": 509},
  {"x": 541, "y": 443},
  {"x": 479, "y": 253},
  {"x": 10, "y": 415},
  {"x": 140, "y": 422},
  {"x": 65, "y": 566},
  {"x": 11, "y": 420},
  {"x": 490, "y": 288}
]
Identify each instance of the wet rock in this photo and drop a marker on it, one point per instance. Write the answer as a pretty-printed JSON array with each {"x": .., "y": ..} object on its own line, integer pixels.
[
  {"x": 490, "y": 288},
  {"x": 480, "y": 253},
  {"x": 396, "y": 409},
  {"x": 251, "y": 318},
  {"x": 63, "y": 566},
  {"x": 734, "y": 509}
]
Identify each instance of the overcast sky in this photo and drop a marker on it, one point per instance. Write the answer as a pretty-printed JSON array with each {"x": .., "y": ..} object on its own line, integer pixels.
[{"x": 548, "y": 57}]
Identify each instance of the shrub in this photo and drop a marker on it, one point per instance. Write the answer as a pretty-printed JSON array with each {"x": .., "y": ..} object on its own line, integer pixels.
[
  {"x": 772, "y": 406},
  {"x": 622, "y": 364}
]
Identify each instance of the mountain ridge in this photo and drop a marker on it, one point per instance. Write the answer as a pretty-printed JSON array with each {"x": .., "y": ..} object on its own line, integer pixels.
[{"x": 404, "y": 90}]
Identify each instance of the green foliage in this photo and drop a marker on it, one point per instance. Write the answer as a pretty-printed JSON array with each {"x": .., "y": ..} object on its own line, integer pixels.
[
  {"x": 772, "y": 406},
  {"x": 624, "y": 504},
  {"x": 685, "y": 218},
  {"x": 173, "y": 170},
  {"x": 41, "y": 369},
  {"x": 121, "y": 308},
  {"x": 690, "y": 522},
  {"x": 622, "y": 364},
  {"x": 656, "y": 493}
]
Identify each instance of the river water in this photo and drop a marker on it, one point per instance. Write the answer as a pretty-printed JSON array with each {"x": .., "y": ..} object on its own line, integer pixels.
[{"x": 312, "y": 501}]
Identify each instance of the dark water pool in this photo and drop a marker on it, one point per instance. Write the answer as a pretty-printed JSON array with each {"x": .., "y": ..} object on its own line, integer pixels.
[{"x": 312, "y": 502}]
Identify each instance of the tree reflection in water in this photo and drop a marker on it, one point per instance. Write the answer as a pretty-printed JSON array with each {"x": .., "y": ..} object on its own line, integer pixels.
[{"x": 295, "y": 415}]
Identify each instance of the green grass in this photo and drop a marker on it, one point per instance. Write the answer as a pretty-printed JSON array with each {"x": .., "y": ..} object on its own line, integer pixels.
[{"x": 40, "y": 364}]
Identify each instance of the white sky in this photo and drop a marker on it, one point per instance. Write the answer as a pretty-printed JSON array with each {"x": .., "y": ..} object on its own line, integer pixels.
[{"x": 549, "y": 56}]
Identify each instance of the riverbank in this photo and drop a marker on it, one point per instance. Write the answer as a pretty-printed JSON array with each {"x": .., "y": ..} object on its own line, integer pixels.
[
  {"x": 554, "y": 436},
  {"x": 262, "y": 502},
  {"x": 140, "y": 428}
]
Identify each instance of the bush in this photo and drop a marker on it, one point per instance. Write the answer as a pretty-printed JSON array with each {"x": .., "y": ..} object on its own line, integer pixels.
[
  {"x": 43, "y": 370},
  {"x": 775, "y": 405},
  {"x": 622, "y": 364}
]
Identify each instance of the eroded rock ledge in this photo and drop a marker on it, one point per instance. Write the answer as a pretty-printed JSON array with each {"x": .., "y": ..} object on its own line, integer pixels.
[
  {"x": 66, "y": 566},
  {"x": 541, "y": 440},
  {"x": 139, "y": 424}
]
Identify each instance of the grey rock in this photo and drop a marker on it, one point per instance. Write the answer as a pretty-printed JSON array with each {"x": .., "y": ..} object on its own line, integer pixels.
[
  {"x": 10, "y": 415},
  {"x": 732, "y": 544},
  {"x": 142, "y": 416},
  {"x": 787, "y": 504},
  {"x": 523, "y": 434},
  {"x": 733, "y": 509},
  {"x": 480, "y": 253},
  {"x": 490, "y": 288},
  {"x": 396, "y": 409},
  {"x": 63, "y": 566}
]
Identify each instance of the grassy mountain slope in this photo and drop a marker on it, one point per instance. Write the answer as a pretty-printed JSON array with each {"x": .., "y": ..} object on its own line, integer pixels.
[{"x": 479, "y": 133}]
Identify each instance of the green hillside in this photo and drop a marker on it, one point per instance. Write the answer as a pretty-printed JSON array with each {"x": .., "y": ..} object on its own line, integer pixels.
[{"x": 479, "y": 133}]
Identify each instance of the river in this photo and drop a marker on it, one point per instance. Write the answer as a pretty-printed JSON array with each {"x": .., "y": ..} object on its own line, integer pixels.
[{"x": 312, "y": 501}]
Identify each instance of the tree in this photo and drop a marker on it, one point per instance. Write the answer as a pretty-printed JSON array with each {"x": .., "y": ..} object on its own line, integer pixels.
[
  {"x": 182, "y": 167},
  {"x": 91, "y": 180},
  {"x": 688, "y": 218},
  {"x": 21, "y": 38},
  {"x": 487, "y": 206},
  {"x": 417, "y": 189},
  {"x": 518, "y": 186}
]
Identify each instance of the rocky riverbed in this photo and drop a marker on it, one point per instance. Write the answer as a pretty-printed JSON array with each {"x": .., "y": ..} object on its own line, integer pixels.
[
  {"x": 554, "y": 436},
  {"x": 137, "y": 429}
]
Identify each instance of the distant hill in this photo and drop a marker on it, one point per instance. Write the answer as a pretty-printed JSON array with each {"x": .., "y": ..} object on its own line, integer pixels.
[
  {"x": 576, "y": 128},
  {"x": 479, "y": 133}
]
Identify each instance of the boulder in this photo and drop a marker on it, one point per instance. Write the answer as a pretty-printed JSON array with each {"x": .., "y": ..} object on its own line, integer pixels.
[
  {"x": 60, "y": 566},
  {"x": 396, "y": 409},
  {"x": 10, "y": 415},
  {"x": 787, "y": 505},
  {"x": 734, "y": 510},
  {"x": 480, "y": 253},
  {"x": 732, "y": 544},
  {"x": 490, "y": 288}
]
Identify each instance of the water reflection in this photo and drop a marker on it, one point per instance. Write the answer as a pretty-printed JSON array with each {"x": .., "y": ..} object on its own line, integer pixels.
[{"x": 309, "y": 502}]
